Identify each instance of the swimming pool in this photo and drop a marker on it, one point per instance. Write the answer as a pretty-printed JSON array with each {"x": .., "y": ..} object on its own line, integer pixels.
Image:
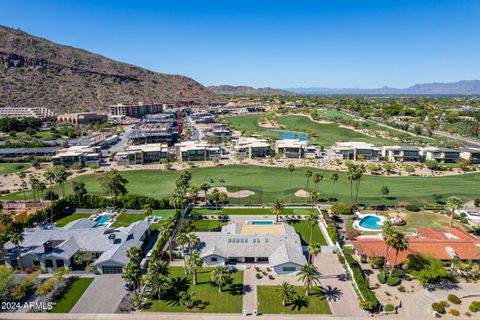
[
  {"x": 370, "y": 222},
  {"x": 290, "y": 134},
  {"x": 260, "y": 222},
  {"x": 101, "y": 220}
]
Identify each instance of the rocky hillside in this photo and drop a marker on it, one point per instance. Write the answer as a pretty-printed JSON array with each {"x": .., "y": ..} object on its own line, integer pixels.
[
  {"x": 248, "y": 91},
  {"x": 37, "y": 72}
]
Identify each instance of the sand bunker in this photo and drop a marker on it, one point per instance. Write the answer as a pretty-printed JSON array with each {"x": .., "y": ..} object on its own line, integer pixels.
[
  {"x": 237, "y": 194},
  {"x": 301, "y": 193},
  {"x": 268, "y": 124}
]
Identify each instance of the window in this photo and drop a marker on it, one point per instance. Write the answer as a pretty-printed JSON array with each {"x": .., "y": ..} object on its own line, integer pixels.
[
  {"x": 49, "y": 263},
  {"x": 111, "y": 269},
  {"x": 289, "y": 269},
  {"x": 213, "y": 259}
]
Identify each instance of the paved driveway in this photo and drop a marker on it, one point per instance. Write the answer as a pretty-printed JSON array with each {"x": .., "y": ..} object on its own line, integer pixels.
[{"x": 102, "y": 296}]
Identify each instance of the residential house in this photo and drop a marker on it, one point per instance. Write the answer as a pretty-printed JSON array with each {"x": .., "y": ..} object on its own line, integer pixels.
[
  {"x": 196, "y": 151},
  {"x": 291, "y": 148},
  {"x": 143, "y": 153},
  {"x": 81, "y": 155},
  {"x": 251, "y": 147},
  {"x": 401, "y": 154},
  {"x": 355, "y": 151},
  {"x": 441, "y": 155}
]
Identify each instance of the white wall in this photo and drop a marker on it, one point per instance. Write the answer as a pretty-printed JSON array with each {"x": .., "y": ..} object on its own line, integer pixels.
[
  {"x": 208, "y": 260},
  {"x": 279, "y": 269}
]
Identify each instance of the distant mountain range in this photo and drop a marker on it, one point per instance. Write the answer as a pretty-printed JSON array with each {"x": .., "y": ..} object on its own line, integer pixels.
[
  {"x": 463, "y": 87},
  {"x": 248, "y": 91}
]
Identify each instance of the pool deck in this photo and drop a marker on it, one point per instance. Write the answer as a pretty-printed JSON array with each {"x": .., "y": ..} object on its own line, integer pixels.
[
  {"x": 357, "y": 225},
  {"x": 262, "y": 229}
]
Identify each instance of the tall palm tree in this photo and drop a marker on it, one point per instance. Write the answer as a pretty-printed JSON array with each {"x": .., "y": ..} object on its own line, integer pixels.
[
  {"x": 286, "y": 292},
  {"x": 49, "y": 175},
  {"x": 194, "y": 261},
  {"x": 277, "y": 208},
  {"x": 205, "y": 187},
  {"x": 399, "y": 243},
  {"x": 159, "y": 268},
  {"x": 387, "y": 233},
  {"x": 317, "y": 177},
  {"x": 313, "y": 250},
  {"x": 313, "y": 195},
  {"x": 221, "y": 276},
  {"x": 310, "y": 276},
  {"x": 33, "y": 182},
  {"x": 334, "y": 179},
  {"x": 41, "y": 187},
  {"x": 182, "y": 241},
  {"x": 22, "y": 176},
  {"x": 193, "y": 241},
  {"x": 312, "y": 221},
  {"x": 359, "y": 171},
  {"x": 308, "y": 175},
  {"x": 453, "y": 203},
  {"x": 351, "y": 176},
  {"x": 15, "y": 236},
  {"x": 147, "y": 212},
  {"x": 291, "y": 168},
  {"x": 158, "y": 284},
  {"x": 177, "y": 200},
  {"x": 167, "y": 229},
  {"x": 60, "y": 177}
]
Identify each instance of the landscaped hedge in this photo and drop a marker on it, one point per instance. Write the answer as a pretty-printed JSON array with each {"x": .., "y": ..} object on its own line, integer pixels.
[
  {"x": 332, "y": 233},
  {"x": 454, "y": 299},
  {"x": 438, "y": 308},
  {"x": 393, "y": 281},
  {"x": 371, "y": 302},
  {"x": 411, "y": 207}
]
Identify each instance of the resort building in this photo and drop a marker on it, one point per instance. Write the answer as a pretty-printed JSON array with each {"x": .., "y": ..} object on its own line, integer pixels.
[
  {"x": 84, "y": 156},
  {"x": 291, "y": 148},
  {"x": 445, "y": 244},
  {"x": 355, "y": 151},
  {"x": 401, "y": 154},
  {"x": 151, "y": 133},
  {"x": 251, "y": 147},
  {"x": 441, "y": 155},
  {"x": 276, "y": 245},
  {"x": 143, "y": 153},
  {"x": 196, "y": 151},
  {"x": 471, "y": 154},
  {"x": 51, "y": 247},
  {"x": 23, "y": 152},
  {"x": 21, "y": 113},
  {"x": 83, "y": 118},
  {"x": 136, "y": 110},
  {"x": 218, "y": 130}
]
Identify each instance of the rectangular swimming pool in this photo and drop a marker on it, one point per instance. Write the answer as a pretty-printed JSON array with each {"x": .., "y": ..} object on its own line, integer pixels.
[
  {"x": 101, "y": 220},
  {"x": 260, "y": 222}
]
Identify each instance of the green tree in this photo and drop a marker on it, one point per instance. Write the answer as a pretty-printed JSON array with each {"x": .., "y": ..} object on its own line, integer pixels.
[
  {"x": 5, "y": 219},
  {"x": 277, "y": 209},
  {"x": 158, "y": 284},
  {"x": 385, "y": 191},
  {"x": 400, "y": 243},
  {"x": 79, "y": 188},
  {"x": 205, "y": 187},
  {"x": 387, "y": 233},
  {"x": 15, "y": 236},
  {"x": 308, "y": 175},
  {"x": 221, "y": 276},
  {"x": 314, "y": 249},
  {"x": 194, "y": 261},
  {"x": 291, "y": 169},
  {"x": 453, "y": 203},
  {"x": 22, "y": 177},
  {"x": 159, "y": 268},
  {"x": 312, "y": 221},
  {"x": 309, "y": 276},
  {"x": 182, "y": 241},
  {"x": 286, "y": 292},
  {"x": 317, "y": 177},
  {"x": 6, "y": 280},
  {"x": 113, "y": 183},
  {"x": 147, "y": 213},
  {"x": 60, "y": 177},
  {"x": 132, "y": 272},
  {"x": 334, "y": 179}
]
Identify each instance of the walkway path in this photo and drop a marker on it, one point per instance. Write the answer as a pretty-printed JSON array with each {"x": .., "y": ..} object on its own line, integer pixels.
[
  {"x": 341, "y": 297},
  {"x": 250, "y": 290}
]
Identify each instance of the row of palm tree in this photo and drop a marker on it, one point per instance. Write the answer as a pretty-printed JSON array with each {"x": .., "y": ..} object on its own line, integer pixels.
[
  {"x": 308, "y": 275},
  {"x": 395, "y": 240}
]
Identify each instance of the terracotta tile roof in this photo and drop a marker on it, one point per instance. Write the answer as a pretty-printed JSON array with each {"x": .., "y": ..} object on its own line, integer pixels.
[{"x": 438, "y": 243}]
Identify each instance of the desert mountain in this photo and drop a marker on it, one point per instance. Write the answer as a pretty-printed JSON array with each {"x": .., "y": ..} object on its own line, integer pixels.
[{"x": 248, "y": 91}]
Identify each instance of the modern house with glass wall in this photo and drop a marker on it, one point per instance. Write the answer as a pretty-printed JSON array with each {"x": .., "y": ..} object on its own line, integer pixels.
[
  {"x": 401, "y": 154},
  {"x": 250, "y": 147},
  {"x": 355, "y": 151},
  {"x": 441, "y": 155},
  {"x": 196, "y": 151},
  {"x": 291, "y": 148}
]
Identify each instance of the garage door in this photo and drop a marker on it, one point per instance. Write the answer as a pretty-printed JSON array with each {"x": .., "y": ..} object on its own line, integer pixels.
[{"x": 111, "y": 269}]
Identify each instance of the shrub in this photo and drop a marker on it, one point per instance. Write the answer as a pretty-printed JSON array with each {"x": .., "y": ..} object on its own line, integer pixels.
[
  {"x": 474, "y": 306},
  {"x": 477, "y": 202},
  {"x": 437, "y": 307},
  {"x": 381, "y": 277},
  {"x": 341, "y": 208},
  {"x": 393, "y": 281},
  {"x": 332, "y": 233},
  {"x": 454, "y": 312},
  {"x": 389, "y": 308},
  {"x": 353, "y": 234},
  {"x": 411, "y": 207},
  {"x": 454, "y": 299},
  {"x": 371, "y": 302}
]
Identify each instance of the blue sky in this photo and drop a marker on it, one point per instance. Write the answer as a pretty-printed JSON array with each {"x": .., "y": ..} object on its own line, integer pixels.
[{"x": 270, "y": 43}]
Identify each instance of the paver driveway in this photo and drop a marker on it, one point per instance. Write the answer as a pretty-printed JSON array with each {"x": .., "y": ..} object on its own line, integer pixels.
[{"x": 102, "y": 296}]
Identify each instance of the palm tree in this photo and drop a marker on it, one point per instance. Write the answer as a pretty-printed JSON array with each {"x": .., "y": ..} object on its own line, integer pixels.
[
  {"x": 5, "y": 219},
  {"x": 159, "y": 268},
  {"x": 205, "y": 187},
  {"x": 181, "y": 240},
  {"x": 310, "y": 276},
  {"x": 291, "y": 168},
  {"x": 317, "y": 177},
  {"x": 221, "y": 276},
  {"x": 194, "y": 261},
  {"x": 158, "y": 284},
  {"x": 49, "y": 175},
  {"x": 60, "y": 177},
  {"x": 167, "y": 230},
  {"x": 193, "y": 241},
  {"x": 313, "y": 195},
  {"x": 351, "y": 176},
  {"x": 453, "y": 203},
  {"x": 312, "y": 221},
  {"x": 334, "y": 179},
  {"x": 359, "y": 171},
  {"x": 388, "y": 232},
  {"x": 399, "y": 243},
  {"x": 313, "y": 250},
  {"x": 177, "y": 200},
  {"x": 277, "y": 208},
  {"x": 286, "y": 292},
  {"x": 15, "y": 236},
  {"x": 33, "y": 182},
  {"x": 41, "y": 187},
  {"x": 147, "y": 212},
  {"x": 22, "y": 176},
  {"x": 216, "y": 198},
  {"x": 308, "y": 175}
]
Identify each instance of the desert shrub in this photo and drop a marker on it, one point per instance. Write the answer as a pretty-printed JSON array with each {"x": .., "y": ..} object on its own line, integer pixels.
[
  {"x": 411, "y": 207},
  {"x": 341, "y": 208},
  {"x": 474, "y": 306},
  {"x": 393, "y": 281},
  {"x": 389, "y": 308},
  {"x": 371, "y": 302},
  {"x": 353, "y": 234},
  {"x": 437, "y": 307},
  {"x": 381, "y": 277},
  {"x": 454, "y": 312},
  {"x": 454, "y": 299}
]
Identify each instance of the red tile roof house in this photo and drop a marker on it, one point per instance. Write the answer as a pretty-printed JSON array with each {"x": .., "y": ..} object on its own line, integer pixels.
[{"x": 443, "y": 244}]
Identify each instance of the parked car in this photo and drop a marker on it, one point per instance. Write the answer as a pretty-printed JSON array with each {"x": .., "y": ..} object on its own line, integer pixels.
[{"x": 128, "y": 287}]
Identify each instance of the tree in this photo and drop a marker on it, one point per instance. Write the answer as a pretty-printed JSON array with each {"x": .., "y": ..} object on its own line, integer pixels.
[
  {"x": 182, "y": 241},
  {"x": 15, "y": 236},
  {"x": 453, "y": 203},
  {"x": 216, "y": 198},
  {"x": 334, "y": 179},
  {"x": 5, "y": 219},
  {"x": 400, "y": 243},
  {"x": 60, "y": 177},
  {"x": 205, "y": 187},
  {"x": 310, "y": 276},
  {"x": 317, "y": 177},
  {"x": 286, "y": 292},
  {"x": 312, "y": 221},
  {"x": 147, "y": 212},
  {"x": 313, "y": 250},
  {"x": 159, "y": 268},
  {"x": 291, "y": 168},
  {"x": 6, "y": 280},
  {"x": 277, "y": 209},
  {"x": 22, "y": 176},
  {"x": 83, "y": 256},
  {"x": 132, "y": 272},
  {"x": 463, "y": 164},
  {"x": 221, "y": 276},
  {"x": 385, "y": 191},
  {"x": 183, "y": 182},
  {"x": 388, "y": 233},
  {"x": 49, "y": 175},
  {"x": 188, "y": 299},
  {"x": 313, "y": 195},
  {"x": 113, "y": 183},
  {"x": 308, "y": 175},
  {"x": 359, "y": 171},
  {"x": 157, "y": 284},
  {"x": 167, "y": 230},
  {"x": 194, "y": 261},
  {"x": 79, "y": 188},
  {"x": 33, "y": 182},
  {"x": 351, "y": 178},
  {"x": 193, "y": 193}
]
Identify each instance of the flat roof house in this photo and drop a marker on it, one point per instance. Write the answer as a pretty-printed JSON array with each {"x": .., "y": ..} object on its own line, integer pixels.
[
  {"x": 143, "y": 153},
  {"x": 51, "y": 247},
  {"x": 196, "y": 151},
  {"x": 83, "y": 117},
  {"x": 291, "y": 148},
  {"x": 471, "y": 154},
  {"x": 441, "y": 155},
  {"x": 276, "y": 245},
  {"x": 401, "y": 154},
  {"x": 136, "y": 110},
  {"x": 84, "y": 156},
  {"x": 356, "y": 151},
  {"x": 251, "y": 147}
]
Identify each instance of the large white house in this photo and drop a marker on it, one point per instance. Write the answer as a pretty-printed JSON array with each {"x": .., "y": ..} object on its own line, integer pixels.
[{"x": 276, "y": 245}]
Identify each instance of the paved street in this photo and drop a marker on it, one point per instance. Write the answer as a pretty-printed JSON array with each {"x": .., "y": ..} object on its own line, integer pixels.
[{"x": 102, "y": 296}]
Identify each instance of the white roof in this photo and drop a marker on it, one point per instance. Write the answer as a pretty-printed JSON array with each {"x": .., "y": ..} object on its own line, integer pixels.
[{"x": 291, "y": 143}]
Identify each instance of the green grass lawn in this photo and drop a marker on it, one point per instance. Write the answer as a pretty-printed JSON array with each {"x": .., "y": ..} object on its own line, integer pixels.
[
  {"x": 163, "y": 213},
  {"x": 303, "y": 229},
  {"x": 271, "y": 183},
  {"x": 75, "y": 216},
  {"x": 127, "y": 219},
  {"x": 228, "y": 301},
  {"x": 249, "y": 211},
  {"x": 208, "y": 225},
  {"x": 6, "y": 168},
  {"x": 270, "y": 303},
  {"x": 71, "y": 295},
  {"x": 427, "y": 219}
]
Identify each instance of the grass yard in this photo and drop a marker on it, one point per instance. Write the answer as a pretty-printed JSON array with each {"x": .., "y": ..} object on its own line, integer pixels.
[
  {"x": 71, "y": 295},
  {"x": 75, "y": 216},
  {"x": 271, "y": 183},
  {"x": 6, "y": 168},
  {"x": 127, "y": 219},
  {"x": 270, "y": 303},
  {"x": 228, "y": 301},
  {"x": 250, "y": 211},
  {"x": 303, "y": 229},
  {"x": 208, "y": 225},
  {"x": 163, "y": 213},
  {"x": 427, "y": 219}
]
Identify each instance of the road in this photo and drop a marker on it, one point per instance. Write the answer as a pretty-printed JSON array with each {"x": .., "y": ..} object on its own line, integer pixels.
[{"x": 471, "y": 142}]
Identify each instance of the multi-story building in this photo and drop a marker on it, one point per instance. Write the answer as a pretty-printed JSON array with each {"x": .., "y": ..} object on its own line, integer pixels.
[
  {"x": 291, "y": 148},
  {"x": 355, "y": 151},
  {"x": 218, "y": 130},
  {"x": 471, "y": 154},
  {"x": 196, "y": 151},
  {"x": 401, "y": 154},
  {"x": 84, "y": 156},
  {"x": 141, "y": 154},
  {"x": 136, "y": 110},
  {"x": 21, "y": 113},
  {"x": 83, "y": 118},
  {"x": 441, "y": 155},
  {"x": 251, "y": 147}
]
